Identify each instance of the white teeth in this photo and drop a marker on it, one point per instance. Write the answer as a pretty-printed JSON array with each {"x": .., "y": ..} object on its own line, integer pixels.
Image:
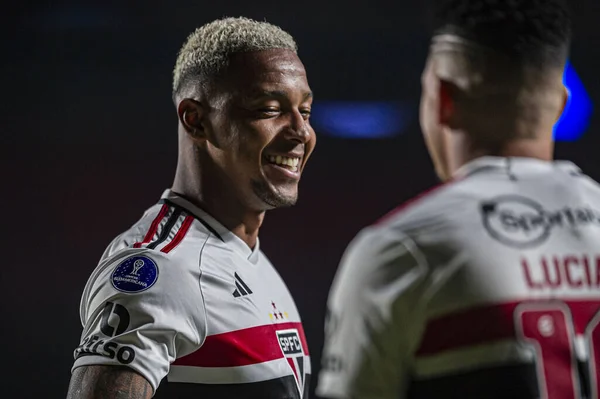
[{"x": 291, "y": 163}]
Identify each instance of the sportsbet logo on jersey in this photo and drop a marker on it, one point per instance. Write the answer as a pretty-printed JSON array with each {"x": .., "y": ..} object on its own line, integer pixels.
[
  {"x": 291, "y": 346},
  {"x": 520, "y": 222}
]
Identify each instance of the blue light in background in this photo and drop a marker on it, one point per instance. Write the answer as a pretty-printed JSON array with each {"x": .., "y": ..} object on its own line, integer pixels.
[
  {"x": 577, "y": 114},
  {"x": 370, "y": 120},
  {"x": 380, "y": 119}
]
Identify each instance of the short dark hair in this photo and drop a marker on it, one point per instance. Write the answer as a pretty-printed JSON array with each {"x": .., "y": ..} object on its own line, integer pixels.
[{"x": 537, "y": 31}]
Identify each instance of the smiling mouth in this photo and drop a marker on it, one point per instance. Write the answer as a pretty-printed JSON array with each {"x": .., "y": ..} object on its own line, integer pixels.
[{"x": 289, "y": 163}]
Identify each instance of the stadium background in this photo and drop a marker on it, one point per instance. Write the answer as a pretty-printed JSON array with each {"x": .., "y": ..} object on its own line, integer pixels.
[{"x": 89, "y": 142}]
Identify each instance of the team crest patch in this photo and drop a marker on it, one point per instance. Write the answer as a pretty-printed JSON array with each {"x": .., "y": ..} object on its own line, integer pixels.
[
  {"x": 291, "y": 346},
  {"x": 135, "y": 274}
]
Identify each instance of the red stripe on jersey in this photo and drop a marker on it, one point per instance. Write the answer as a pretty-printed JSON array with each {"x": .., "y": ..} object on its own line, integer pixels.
[
  {"x": 185, "y": 226},
  {"x": 242, "y": 347},
  {"x": 582, "y": 313},
  {"x": 153, "y": 227},
  {"x": 490, "y": 323},
  {"x": 412, "y": 201}
]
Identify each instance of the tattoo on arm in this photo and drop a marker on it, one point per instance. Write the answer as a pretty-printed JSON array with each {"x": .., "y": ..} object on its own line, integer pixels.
[{"x": 108, "y": 382}]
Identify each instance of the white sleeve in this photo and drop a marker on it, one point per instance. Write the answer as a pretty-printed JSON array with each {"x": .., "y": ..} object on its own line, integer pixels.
[
  {"x": 140, "y": 309},
  {"x": 374, "y": 321}
]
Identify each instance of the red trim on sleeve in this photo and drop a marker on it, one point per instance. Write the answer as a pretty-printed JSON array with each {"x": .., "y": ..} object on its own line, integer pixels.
[
  {"x": 185, "y": 226},
  {"x": 153, "y": 226}
]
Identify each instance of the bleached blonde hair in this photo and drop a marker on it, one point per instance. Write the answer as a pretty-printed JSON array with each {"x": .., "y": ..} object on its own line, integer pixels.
[{"x": 207, "y": 50}]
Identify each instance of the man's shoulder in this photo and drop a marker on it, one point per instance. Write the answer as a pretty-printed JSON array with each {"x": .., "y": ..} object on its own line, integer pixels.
[
  {"x": 164, "y": 228},
  {"x": 432, "y": 203},
  {"x": 165, "y": 241},
  {"x": 137, "y": 270}
]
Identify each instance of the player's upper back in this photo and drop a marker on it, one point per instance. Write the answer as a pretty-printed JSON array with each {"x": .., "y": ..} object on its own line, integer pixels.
[
  {"x": 501, "y": 212},
  {"x": 507, "y": 254},
  {"x": 459, "y": 287}
]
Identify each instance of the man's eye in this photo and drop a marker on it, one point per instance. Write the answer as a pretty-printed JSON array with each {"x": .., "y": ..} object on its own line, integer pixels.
[{"x": 268, "y": 110}]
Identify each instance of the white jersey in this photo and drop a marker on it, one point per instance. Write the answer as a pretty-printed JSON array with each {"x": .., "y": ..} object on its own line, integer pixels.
[
  {"x": 487, "y": 287},
  {"x": 179, "y": 296}
]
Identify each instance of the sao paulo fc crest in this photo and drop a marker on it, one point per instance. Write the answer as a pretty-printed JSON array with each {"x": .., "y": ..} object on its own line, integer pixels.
[{"x": 291, "y": 346}]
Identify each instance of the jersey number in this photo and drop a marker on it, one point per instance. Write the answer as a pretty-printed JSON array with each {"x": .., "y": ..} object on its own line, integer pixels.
[{"x": 549, "y": 330}]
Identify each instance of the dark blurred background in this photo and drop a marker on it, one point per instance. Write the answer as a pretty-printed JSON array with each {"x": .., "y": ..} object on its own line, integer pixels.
[{"x": 89, "y": 142}]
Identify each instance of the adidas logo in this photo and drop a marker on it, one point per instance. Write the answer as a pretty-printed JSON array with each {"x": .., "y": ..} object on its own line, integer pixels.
[{"x": 242, "y": 289}]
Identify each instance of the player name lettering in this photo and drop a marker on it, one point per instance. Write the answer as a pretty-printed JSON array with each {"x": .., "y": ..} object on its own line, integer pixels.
[
  {"x": 133, "y": 280},
  {"x": 562, "y": 271}
]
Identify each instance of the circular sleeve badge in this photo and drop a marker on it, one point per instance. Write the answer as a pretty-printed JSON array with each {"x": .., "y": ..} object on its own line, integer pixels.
[{"x": 135, "y": 274}]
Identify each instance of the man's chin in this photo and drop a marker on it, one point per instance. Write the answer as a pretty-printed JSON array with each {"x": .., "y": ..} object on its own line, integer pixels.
[
  {"x": 275, "y": 200},
  {"x": 276, "y": 197}
]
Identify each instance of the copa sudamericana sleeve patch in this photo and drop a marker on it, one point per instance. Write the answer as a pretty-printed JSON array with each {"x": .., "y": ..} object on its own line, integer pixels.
[{"x": 135, "y": 274}]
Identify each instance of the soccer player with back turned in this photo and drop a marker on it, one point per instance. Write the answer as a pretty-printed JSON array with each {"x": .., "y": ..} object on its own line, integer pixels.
[{"x": 487, "y": 287}]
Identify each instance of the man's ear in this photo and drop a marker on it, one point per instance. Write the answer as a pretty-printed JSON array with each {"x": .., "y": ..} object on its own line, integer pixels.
[
  {"x": 565, "y": 100},
  {"x": 447, "y": 104},
  {"x": 191, "y": 115}
]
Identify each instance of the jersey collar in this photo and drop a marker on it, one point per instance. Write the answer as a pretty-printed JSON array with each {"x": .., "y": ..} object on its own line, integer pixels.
[
  {"x": 490, "y": 163},
  {"x": 224, "y": 234}
]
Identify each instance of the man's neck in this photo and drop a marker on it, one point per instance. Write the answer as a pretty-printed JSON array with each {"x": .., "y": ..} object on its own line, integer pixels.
[
  {"x": 465, "y": 151},
  {"x": 240, "y": 221},
  {"x": 221, "y": 204}
]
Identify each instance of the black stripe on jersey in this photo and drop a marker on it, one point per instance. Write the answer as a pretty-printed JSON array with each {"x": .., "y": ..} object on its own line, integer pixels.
[
  {"x": 239, "y": 279},
  {"x": 83, "y": 354},
  {"x": 279, "y": 388},
  {"x": 208, "y": 226},
  {"x": 584, "y": 378},
  {"x": 167, "y": 229},
  {"x": 501, "y": 382},
  {"x": 301, "y": 372},
  {"x": 240, "y": 289}
]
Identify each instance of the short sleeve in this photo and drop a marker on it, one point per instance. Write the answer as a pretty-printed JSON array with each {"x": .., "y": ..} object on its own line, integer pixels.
[
  {"x": 373, "y": 320},
  {"x": 140, "y": 309}
]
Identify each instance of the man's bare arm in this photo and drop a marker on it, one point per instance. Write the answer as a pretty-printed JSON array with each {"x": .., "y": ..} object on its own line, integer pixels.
[{"x": 108, "y": 382}]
